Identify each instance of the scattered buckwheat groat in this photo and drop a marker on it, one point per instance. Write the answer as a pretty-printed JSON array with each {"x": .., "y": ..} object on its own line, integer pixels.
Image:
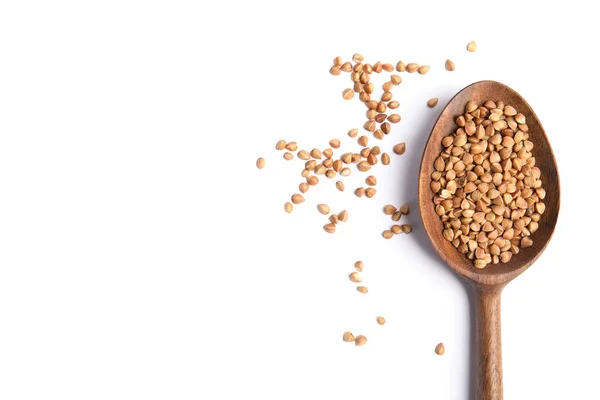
[
  {"x": 439, "y": 349},
  {"x": 400, "y": 148},
  {"x": 323, "y": 208},
  {"x": 260, "y": 163},
  {"x": 432, "y": 102},
  {"x": 472, "y": 47},
  {"x": 348, "y": 337},
  {"x": 360, "y": 340},
  {"x": 380, "y": 320}
]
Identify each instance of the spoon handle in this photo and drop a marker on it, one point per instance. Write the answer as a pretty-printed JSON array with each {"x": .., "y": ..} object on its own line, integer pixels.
[{"x": 488, "y": 343}]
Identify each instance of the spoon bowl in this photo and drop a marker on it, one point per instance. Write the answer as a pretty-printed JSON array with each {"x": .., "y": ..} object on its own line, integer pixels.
[{"x": 489, "y": 281}]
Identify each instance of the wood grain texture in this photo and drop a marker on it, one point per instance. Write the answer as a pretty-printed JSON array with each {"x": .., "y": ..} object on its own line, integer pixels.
[
  {"x": 488, "y": 343},
  {"x": 489, "y": 282}
]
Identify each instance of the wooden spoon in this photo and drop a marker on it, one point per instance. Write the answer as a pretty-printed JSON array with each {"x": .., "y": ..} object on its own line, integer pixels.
[{"x": 489, "y": 282}]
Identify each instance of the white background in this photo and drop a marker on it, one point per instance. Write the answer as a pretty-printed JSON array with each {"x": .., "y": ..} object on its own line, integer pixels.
[{"x": 143, "y": 255}]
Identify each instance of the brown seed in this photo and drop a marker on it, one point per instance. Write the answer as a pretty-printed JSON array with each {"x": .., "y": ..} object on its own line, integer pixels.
[
  {"x": 280, "y": 145},
  {"x": 386, "y": 127},
  {"x": 303, "y": 187},
  {"x": 323, "y": 208},
  {"x": 316, "y": 154},
  {"x": 364, "y": 78},
  {"x": 387, "y": 67},
  {"x": 386, "y": 96},
  {"x": 352, "y": 133},
  {"x": 347, "y": 94},
  {"x": 471, "y": 106},
  {"x": 387, "y": 86},
  {"x": 312, "y": 180},
  {"x": 389, "y": 209},
  {"x": 363, "y": 141},
  {"x": 359, "y": 192},
  {"x": 288, "y": 207},
  {"x": 288, "y": 156},
  {"x": 396, "y": 80},
  {"x": 348, "y": 337},
  {"x": 363, "y": 166},
  {"x": 400, "y": 67},
  {"x": 358, "y": 58},
  {"x": 404, "y": 209},
  {"x": 394, "y": 118},
  {"x": 329, "y": 228},
  {"x": 345, "y": 172},
  {"x": 440, "y": 349},
  {"x": 510, "y": 111},
  {"x": 297, "y": 198},
  {"x": 355, "y": 277},
  {"x": 360, "y": 340},
  {"x": 472, "y": 47},
  {"x": 335, "y": 143},
  {"x": 359, "y": 266},
  {"x": 346, "y": 67},
  {"x": 400, "y": 148},
  {"x": 369, "y": 88},
  {"x": 385, "y": 159},
  {"x": 260, "y": 163},
  {"x": 370, "y": 126},
  {"x": 397, "y": 229},
  {"x": 380, "y": 320},
  {"x": 387, "y": 234},
  {"x": 432, "y": 102},
  {"x": 362, "y": 289},
  {"x": 396, "y": 216},
  {"x": 407, "y": 228},
  {"x": 340, "y": 186},
  {"x": 371, "y": 180},
  {"x": 337, "y": 61},
  {"x": 370, "y": 192},
  {"x": 505, "y": 256},
  {"x": 337, "y": 165},
  {"x": 423, "y": 69},
  {"x": 479, "y": 264},
  {"x": 303, "y": 155},
  {"x": 291, "y": 146},
  {"x": 333, "y": 218},
  {"x": 449, "y": 65},
  {"x": 526, "y": 242},
  {"x": 335, "y": 70},
  {"x": 412, "y": 67},
  {"x": 393, "y": 105},
  {"x": 343, "y": 216},
  {"x": 310, "y": 165}
]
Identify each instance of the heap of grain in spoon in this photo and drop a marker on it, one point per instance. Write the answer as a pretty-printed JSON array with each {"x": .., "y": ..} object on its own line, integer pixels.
[{"x": 488, "y": 192}]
